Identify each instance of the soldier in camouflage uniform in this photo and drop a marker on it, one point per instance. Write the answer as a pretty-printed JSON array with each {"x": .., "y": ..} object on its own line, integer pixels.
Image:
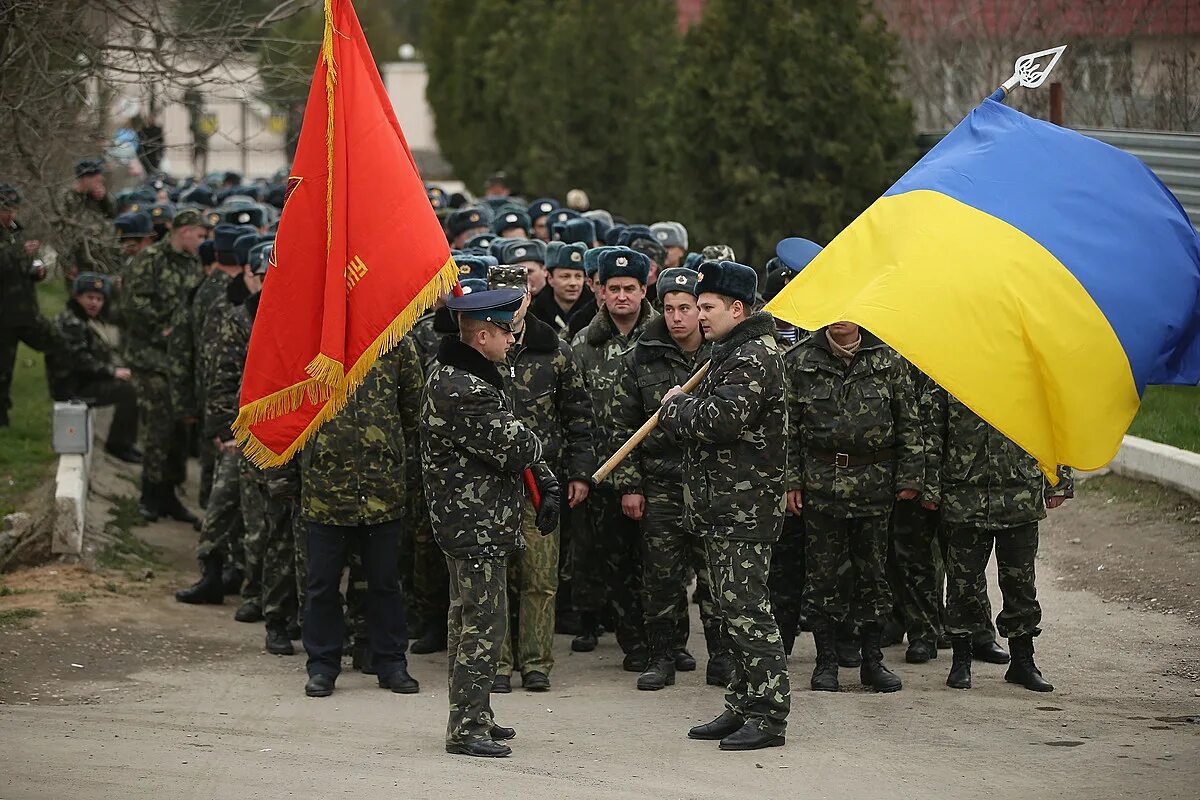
[
  {"x": 854, "y": 448},
  {"x": 474, "y": 451},
  {"x": 547, "y": 391},
  {"x": 733, "y": 427},
  {"x": 20, "y": 319},
  {"x": 160, "y": 280},
  {"x": 650, "y": 482},
  {"x": 607, "y": 558},
  {"x": 89, "y": 240},
  {"x": 354, "y": 492},
  {"x": 990, "y": 493},
  {"x": 89, "y": 368}
]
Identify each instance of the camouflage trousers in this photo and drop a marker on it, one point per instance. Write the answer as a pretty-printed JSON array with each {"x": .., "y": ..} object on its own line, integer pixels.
[
  {"x": 222, "y": 530},
  {"x": 255, "y": 516},
  {"x": 787, "y": 578},
  {"x": 758, "y": 689},
  {"x": 668, "y": 550},
  {"x": 970, "y": 548},
  {"x": 532, "y": 584},
  {"x": 835, "y": 547},
  {"x": 912, "y": 570},
  {"x": 208, "y": 467},
  {"x": 476, "y": 627},
  {"x": 986, "y": 631},
  {"x": 279, "y": 598},
  {"x": 607, "y": 564},
  {"x": 40, "y": 334},
  {"x": 163, "y": 435}
]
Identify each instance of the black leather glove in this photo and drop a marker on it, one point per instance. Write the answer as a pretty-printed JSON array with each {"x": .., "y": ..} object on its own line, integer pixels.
[{"x": 547, "y": 513}]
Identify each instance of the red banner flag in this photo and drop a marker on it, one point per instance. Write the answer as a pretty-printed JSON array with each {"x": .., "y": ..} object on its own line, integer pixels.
[{"x": 359, "y": 254}]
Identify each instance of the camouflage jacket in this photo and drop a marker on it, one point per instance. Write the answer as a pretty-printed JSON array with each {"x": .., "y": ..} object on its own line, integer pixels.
[
  {"x": 18, "y": 295},
  {"x": 159, "y": 282},
  {"x": 86, "y": 356},
  {"x": 546, "y": 388},
  {"x": 354, "y": 471},
  {"x": 987, "y": 481},
  {"x": 733, "y": 429},
  {"x": 652, "y": 366},
  {"x": 426, "y": 339},
  {"x": 223, "y": 377},
  {"x": 187, "y": 370},
  {"x": 89, "y": 240},
  {"x": 598, "y": 349},
  {"x": 473, "y": 451},
  {"x": 860, "y": 410}
]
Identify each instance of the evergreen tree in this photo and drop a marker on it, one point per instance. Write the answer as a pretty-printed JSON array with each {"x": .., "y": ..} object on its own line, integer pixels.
[{"x": 785, "y": 121}]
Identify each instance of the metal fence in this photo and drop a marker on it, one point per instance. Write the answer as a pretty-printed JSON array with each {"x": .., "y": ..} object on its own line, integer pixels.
[{"x": 1174, "y": 157}]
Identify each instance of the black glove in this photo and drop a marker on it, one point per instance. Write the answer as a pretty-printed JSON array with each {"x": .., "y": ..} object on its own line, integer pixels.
[{"x": 547, "y": 513}]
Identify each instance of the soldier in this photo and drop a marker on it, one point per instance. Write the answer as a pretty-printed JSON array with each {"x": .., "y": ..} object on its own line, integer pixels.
[
  {"x": 643, "y": 240},
  {"x": 991, "y": 492},
  {"x": 465, "y": 224},
  {"x": 854, "y": 449},
  {"x": 538, "y": 211},
  {"x": 581, "y": 318},
  {"x": 674, "y": 239},
  {"x": 530, "y": 254},
  {"x": 733, "y": 429},
  {"x": 650, "y": 483},
  {"x": 547, "y": 391},
  {"x": 512, "y": 224},
  {"x": 474, "y": 452},
  {"x": 21, "y": 321},
  {"x": 354, "y": 492},
  {"x": 568, "y": 292},
  {"x": 88, "y": 213},
  {"x": 160, "y": 280},
  {"x": 135, "y": 231},
  {"x": 607, "y": 558},
  {"x": 89, "y": 368}
]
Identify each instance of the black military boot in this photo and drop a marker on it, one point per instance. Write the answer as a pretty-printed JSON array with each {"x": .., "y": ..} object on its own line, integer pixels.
[
  {"x": 399, "y": 681},
  {"x": 362, "y": 657},
  {"x": 684, "y": 661},
  {"x": 920, "y": 651},
  {"x": 636, "y": 660},
  {"x": 847, "y": 646},
  {"x": 1022, "y": 670},
  {"x": 278, "y": 643},
  {"x": 148, "y": 503},
  {"x": 660, "y": 667},
  {"x": 719, "y": 670},
  {"x": 825, "y": 674},
  {"x": 169, "y": 506},
  {"x": 960, "y": 668},
  {"x": 231, "y": 579},
  {"x": 873, "y": 673},
  {"x": 207, "y": 590},
  {"x": 249, "y": 611},
  {"x": 589, "y": 634},
  {"x": 990, "y": 652},
  {"x": 433, "y": 640},
  {"x": 719, "y": 728}
]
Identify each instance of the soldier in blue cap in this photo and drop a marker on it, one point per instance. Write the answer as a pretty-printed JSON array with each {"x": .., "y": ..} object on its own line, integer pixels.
[{"x": 474, "y": 451}]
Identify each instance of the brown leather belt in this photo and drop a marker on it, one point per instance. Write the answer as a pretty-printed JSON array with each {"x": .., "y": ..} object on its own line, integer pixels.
[{"x": 843, "y": 460}]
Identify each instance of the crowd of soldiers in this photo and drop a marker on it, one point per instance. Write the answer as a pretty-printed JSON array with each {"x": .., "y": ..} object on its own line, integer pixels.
[{"x": 810, "y": 481}]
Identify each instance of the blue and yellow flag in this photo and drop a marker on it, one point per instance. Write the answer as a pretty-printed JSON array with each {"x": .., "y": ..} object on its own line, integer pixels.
[{"x": 1042, "y": 277}]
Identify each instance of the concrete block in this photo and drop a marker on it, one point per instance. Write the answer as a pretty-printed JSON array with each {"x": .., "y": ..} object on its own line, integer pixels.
[
  {"x": 70, "y": 498},
  {"x": 1145, "y": 460}
]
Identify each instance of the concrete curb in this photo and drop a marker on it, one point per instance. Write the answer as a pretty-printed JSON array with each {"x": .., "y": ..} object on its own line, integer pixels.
[
  {"x": 70, "y": 497},
  {"x": 1170, "y": 466}
]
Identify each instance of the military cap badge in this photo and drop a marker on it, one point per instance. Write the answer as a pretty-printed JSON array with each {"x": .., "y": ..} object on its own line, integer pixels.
[
  {"x": 622, "y": 261},
  {"x": 681, "y": 279},
  {"x": 576, "y": 256}
]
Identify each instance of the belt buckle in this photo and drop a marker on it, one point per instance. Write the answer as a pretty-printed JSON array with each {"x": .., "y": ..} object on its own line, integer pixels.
[{"x": 841, "y": 460}]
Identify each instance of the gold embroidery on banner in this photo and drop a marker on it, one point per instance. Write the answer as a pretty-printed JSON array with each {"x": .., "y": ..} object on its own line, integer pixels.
[{"x": 355, "y": 271}]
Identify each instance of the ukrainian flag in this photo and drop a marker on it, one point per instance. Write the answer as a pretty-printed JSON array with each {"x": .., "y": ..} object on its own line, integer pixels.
[{"x": 1042, "y": 277}]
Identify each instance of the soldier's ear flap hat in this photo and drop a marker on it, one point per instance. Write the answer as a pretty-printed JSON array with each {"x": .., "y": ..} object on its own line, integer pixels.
[
  {"x": 473, "y": 267},
  {"x": 517, "y": 250},
  {"x": 481, "y": 243},
  {"x": 670, "y": 234},
  {"x": 465, "y": 219},
  {"x": 613, "y": 235},
  {"x": 677, "y": 279},
  {"x": 591, "y": 260},
  {"x": 579, "y": 230},
  {"x": 134, "y": 225},
  {"x": 91, "y": 282},
  {"x": 512, "y": 219},
  {"x": 621, "y": 262},
  {"x": 207, "y": 253},
  {"x": 541, "y": 207},
  {"x": 259, "y": 257},
  {"x": 561, "y": 255},
  {"x": 730, "y": 279}
]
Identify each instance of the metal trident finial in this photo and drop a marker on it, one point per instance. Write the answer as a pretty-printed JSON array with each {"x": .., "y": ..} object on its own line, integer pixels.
[{"x": 1031, "y": 71}]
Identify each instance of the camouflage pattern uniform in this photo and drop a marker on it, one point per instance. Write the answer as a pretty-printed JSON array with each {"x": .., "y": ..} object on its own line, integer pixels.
[
  {"x": 473, "y": 450},
  {"x": 854, "y": 442},
  {"x": 187, "y": 370},
  {"x": 607, "y": 558},
  {"x": 655, "y": 470},
  {"x": 734, "y": 430},
  {"x": 20, "y": 320},
  {"x": 788, "y": 567},
  {"x": 354, "y": 491},
  {"x": 86, "y": 368},
  {"x": 991, "y": 493},
  {"x": 160, "y": 280},
  {"x": 548, "y": 394},
  {"x": 89, "y": 240}
]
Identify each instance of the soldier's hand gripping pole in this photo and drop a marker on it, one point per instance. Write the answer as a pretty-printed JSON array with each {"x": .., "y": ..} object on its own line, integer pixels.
[{"x": 642, "y": 432}]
